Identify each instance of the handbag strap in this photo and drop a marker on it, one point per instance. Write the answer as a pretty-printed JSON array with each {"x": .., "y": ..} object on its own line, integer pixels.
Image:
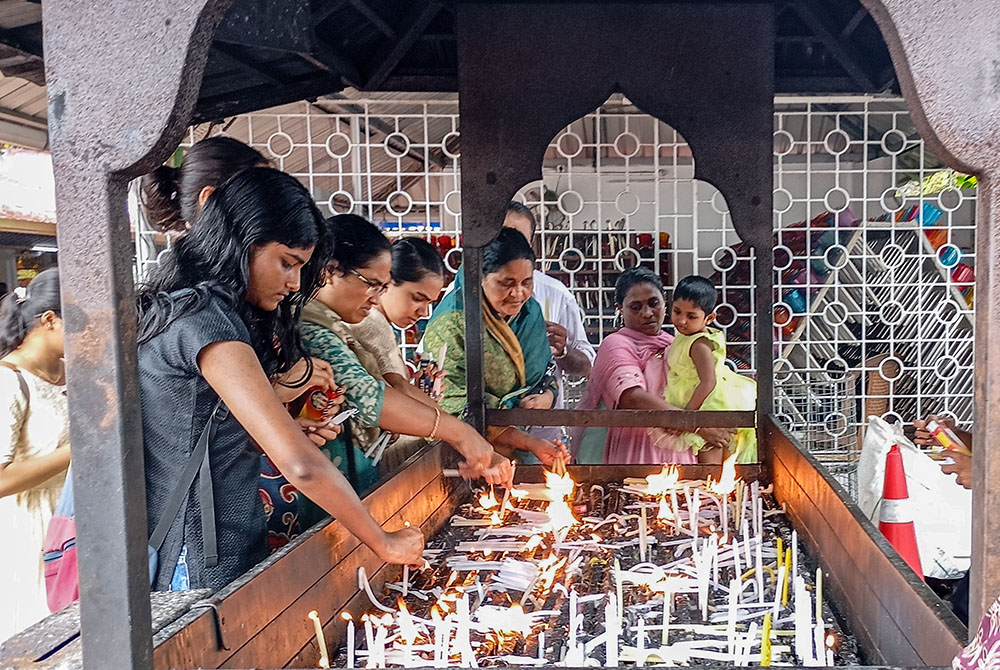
[{"x": 198, "y": 461}]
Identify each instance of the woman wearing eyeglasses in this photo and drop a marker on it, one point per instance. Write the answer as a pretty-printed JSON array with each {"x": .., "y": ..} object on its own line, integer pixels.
[{"x": 358, "y": 272}]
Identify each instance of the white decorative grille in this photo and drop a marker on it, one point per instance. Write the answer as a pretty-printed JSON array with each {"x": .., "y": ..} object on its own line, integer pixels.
[{"x": 873, "y": 250}]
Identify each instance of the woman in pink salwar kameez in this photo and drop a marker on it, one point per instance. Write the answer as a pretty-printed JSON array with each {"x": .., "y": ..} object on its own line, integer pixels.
[{"x": 630, "y": 372}]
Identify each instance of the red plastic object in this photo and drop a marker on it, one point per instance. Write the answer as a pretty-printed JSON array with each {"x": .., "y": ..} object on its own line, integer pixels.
[{"x": 895, "y": 517}]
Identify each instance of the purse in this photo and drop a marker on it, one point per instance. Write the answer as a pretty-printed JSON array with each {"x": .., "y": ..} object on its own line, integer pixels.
[
  {"x": 197, "y": 463},
  {"x": 62, "y": 582}
]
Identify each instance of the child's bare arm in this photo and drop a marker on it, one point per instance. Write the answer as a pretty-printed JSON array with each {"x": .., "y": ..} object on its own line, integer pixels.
[{"x": 701, "y": 355}]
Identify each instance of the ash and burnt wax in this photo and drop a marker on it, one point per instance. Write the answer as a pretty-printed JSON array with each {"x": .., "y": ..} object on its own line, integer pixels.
[{"x": 555, "y": 574}]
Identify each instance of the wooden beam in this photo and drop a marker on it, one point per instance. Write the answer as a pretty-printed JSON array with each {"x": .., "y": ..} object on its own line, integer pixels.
[
  {"x": 27, "y": 227},
  {"x": 853, "y": 24},
  {"x": 414, "y": 24},
  {"x": 821, "y": 25},
  {"x": 232, "y": 55},
  {"x": 373, "y": 18},
  {"x": 327, "y": 58},
  {"x": 213, "y": 108},
  {"x": 630, "y": 418}
]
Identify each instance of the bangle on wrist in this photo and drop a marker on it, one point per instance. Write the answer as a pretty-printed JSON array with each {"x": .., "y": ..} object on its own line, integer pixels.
[
  {"x": 437, "y": 422},
  {"x": 561, "y": 356}
]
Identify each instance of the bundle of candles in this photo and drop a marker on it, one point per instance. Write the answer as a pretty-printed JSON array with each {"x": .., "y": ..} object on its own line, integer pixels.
[{"x": 652, "y": 571}]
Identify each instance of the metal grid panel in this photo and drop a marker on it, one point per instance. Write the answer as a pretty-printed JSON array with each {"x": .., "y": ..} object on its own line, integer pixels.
[{"x": 873, "y": 281}]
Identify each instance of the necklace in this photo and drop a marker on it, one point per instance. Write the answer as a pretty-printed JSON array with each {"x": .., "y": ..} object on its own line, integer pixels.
[{"x": 58, "y": 381}]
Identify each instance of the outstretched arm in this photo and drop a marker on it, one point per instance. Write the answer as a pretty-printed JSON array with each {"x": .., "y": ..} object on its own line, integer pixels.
[{"x": 232, "y": 369}]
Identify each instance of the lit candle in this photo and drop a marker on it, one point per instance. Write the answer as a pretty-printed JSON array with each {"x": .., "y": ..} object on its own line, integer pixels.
[
  {"x": 324, "y": 656},
  {"x": 642, "y": 530},
  {"x": 350, "y": 638},
  {"x": 611, "y": 631},
  {"x": 380, "y": 637}
]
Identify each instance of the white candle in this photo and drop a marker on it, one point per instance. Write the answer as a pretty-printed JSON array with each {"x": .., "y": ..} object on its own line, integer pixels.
[
  {"x": 777, "y": 591},
  {"x": 713, "y": 545},
  {"x": 324, "y": 656},
  {"x": 734, "y": 588},
  {"x": 642, "y": 530},
  {"x": 737, "y": 567},
  {"x": 611, "y": 631},
  {"x": 803, "y": 627},
  {"x": 572, "y": 619},
  {"x": 406, "y": 580},
  {"x": 674, "y": 510},
  {"x": 541, "y": 645},
  {"x": 755, "y": 490},
  {"x": 380, "y": 638},
  {"x": 819, "y": 633},
  {"x": 819, "y": 596},
  {"x": 618, "y": 589},
  {"x": 369, "y": 641},
  {"x": 746, "y": 545},
  {"x": 725, "y": 515},
  {"x": 695, "y": 505},
  {"x": 742, "y": 497},
  {"x": 640, "y": 643},
  {"x": 667, "y": 598},
  {"x": 350, "y": 640},
  {"x": 795, "y": 555},
  {"x": 759, "y": 568}
]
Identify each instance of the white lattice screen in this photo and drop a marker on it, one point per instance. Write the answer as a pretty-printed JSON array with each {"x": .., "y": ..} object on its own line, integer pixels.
[{"x": 873, "y": 273}]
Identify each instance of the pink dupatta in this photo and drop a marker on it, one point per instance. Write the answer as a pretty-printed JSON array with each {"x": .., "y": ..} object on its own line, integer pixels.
[{"x": 627, "y": 359}]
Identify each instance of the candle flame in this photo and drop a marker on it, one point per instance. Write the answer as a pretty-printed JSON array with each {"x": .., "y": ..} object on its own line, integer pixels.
[
  {"x": 488, "y": 500},
  {"x": 727, "y": 482},
  {"x": 518, "y": 494},
  {"x": 346, "y": 616},
  {"x": 663, "y": 481},
  {"x": 533, "y": 543},
  {"x": 561, "y": 486},
  {"x": 560, "y": 515},
  {"x": 664, "y": 512},
  {"x": 831, "y": 641}
]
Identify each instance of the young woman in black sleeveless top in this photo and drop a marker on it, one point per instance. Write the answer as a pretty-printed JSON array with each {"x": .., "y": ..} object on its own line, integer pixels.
[{"x": 218, "y": 319}]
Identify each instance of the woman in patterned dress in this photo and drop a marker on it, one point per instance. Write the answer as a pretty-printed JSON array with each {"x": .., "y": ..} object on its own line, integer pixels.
[{"x": 357, "y": 273}]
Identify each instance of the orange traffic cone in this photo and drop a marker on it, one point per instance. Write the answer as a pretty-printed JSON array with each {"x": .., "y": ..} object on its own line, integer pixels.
[{"x": 895, "y": 520}]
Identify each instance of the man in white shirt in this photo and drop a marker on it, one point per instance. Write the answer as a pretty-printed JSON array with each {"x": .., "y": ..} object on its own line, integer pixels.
[{"x": 572, "y": 351}]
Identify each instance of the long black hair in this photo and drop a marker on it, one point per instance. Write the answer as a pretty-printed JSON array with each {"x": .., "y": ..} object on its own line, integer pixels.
[
  {"x": 255, "y": 207},
  {"x": 509, "y": 245},
  {"x": 170, "y": 195},
  {"x": 19, "y": 317},
  {"x": 353, "y": 242},
  {"x": 633, "y": 276},
  {"x": 413, "y": 259}
]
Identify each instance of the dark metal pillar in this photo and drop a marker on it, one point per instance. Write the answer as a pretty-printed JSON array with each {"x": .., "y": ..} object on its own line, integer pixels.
[
  {"x": 957, "y": 111},
  {"x": 122, "y": 80}
]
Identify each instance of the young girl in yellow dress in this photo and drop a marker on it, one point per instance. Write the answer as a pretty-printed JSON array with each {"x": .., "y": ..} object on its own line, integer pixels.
[{"x": 698, "y": 377}]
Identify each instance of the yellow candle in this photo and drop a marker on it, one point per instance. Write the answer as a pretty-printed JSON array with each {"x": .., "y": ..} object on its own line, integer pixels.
[
  {"x": 784, "y": 587},
  {"x": 765, "y": 642}
]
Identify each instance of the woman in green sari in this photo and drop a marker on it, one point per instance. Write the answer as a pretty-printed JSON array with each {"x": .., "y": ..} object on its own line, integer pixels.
[
  {"x": 356, "y": 274},
  {"x": 517, "y": 360}
]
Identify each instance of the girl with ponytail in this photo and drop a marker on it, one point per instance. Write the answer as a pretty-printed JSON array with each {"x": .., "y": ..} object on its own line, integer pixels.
[{"x": 34, "y": 453}]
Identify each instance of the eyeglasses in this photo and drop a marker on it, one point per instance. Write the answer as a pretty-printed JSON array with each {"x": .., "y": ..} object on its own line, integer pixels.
[{"x": 374, "y": 287}]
